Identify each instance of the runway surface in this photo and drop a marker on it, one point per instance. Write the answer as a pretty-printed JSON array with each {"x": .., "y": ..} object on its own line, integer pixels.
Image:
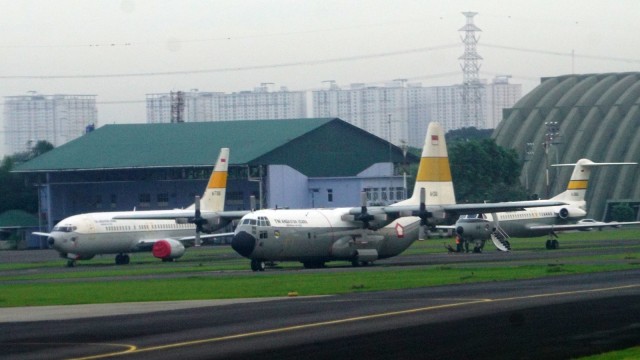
[{"x": 551, "y": 318}]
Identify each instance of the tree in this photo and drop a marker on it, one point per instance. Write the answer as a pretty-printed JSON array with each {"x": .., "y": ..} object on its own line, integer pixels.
[
  {"x": 485, "y": 171},
  {"x": 15, "y": 191},
  {"x": 467, "y": 134},
  {"x": 622, "y": 212}
]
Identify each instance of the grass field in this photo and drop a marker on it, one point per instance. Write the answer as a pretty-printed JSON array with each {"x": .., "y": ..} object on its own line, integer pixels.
[{"x": 99, "y": 281}]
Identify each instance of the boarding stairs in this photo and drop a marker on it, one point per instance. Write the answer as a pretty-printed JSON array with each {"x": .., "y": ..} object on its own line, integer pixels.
[{"x": 500, "y": 239}]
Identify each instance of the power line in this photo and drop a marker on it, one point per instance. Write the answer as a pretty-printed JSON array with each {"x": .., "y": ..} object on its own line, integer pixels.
[
  {"x": 241, "y": 68},
  {"x": 564, "y": 54}
]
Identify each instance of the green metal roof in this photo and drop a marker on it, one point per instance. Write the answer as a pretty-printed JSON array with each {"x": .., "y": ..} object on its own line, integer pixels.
[
  {"x": 126, "y": 146},
  {"x": 17, "y": 219}
]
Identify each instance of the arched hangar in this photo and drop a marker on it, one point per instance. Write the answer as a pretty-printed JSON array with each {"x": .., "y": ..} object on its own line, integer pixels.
[{"x": 567, "y": 118}]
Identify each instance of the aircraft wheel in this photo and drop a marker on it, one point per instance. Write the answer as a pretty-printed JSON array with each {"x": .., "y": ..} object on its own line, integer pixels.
[
  {"x": 477, "y": 250},
  {"x": 548, "y": 244},
  {"x": 125, "y": 259},
  {"x": 71, "y": 263},
  {"x": 555, "y": 244},
  {"x": 257, "y": 265}
]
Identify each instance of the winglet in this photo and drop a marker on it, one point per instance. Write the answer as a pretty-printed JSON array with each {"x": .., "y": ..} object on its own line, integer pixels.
[{"x": 214, "y": 195}]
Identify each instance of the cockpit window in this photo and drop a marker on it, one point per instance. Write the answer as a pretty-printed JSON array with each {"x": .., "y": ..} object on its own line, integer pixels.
[
  {"x": 263, "y": 221},
  {"x": 64, "y": 228},
  {"x": 249, "y": 222}
]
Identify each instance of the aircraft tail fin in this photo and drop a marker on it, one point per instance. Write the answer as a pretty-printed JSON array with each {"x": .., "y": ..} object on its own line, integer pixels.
[
  {"x": 214, "y": 195},
  {"x": 577, "y": 187},
  {"x": 434, "y": 172}
]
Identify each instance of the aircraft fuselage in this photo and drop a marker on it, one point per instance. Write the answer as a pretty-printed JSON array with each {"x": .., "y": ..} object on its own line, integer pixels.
[
  {"x": 83, "y": 236},
  {"x": 319, "y": 235}
]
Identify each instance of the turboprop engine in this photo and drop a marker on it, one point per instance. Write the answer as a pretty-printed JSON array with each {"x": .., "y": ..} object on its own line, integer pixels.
[{"x": 168, "y": 249}]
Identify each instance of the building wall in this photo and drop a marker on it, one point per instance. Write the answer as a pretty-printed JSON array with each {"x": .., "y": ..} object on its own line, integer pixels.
[
  {"x": 57, "y": 119},
  {"x": 400, "y": 111},
  {"x": 261, "y": 103}
]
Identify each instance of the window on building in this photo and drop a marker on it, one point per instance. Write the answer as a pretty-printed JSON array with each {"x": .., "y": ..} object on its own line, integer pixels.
[
  {"x": 98, "y": 201},
  {"x": 163, "y": 199},
  {"x": 144, "y": 200},
  {"x": 114, "y": 200},
  {"x": 330, "y": 195}
]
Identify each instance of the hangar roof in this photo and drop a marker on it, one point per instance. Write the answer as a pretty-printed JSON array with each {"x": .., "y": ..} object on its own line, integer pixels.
[{"x": 315, "y": 147}]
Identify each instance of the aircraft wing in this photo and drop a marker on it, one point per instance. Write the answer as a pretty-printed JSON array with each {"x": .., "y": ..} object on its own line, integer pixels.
[
  {"x": 40, "y": 233},
  {"x": 182, "y": 214},
  {"x": 475, "y": 208},
  {"x": 594, "y": 225},
  {"x": 187, "y": 241}
]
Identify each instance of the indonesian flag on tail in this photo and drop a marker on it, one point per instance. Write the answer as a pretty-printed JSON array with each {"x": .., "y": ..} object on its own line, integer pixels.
[{"x": 434, "y": 139}]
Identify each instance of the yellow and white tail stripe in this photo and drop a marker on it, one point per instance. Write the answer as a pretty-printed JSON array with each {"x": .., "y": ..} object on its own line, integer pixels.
[
  {"x": 214, "y": 196},
  {"x": 577, "y": 187},
  {"x": 434, "y": 173}
]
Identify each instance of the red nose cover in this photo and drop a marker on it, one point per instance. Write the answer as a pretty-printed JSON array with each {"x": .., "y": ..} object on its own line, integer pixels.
[{"x": 161, "y": 249}]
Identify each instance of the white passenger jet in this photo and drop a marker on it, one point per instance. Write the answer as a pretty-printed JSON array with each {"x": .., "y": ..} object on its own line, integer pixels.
[
  {"x": 81, "y": 237},
  {"x": 361, "y": 234},
  {"x": 534, "y": 222}
]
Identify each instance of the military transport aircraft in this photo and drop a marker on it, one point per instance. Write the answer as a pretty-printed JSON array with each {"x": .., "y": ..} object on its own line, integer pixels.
[
  {"x": 81, "y": 237},
  {"x": 361, "y": 234},
  {"x": 533, "y": 222}
]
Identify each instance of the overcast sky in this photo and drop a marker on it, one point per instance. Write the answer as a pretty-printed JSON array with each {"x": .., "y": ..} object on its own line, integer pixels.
[{"x": 121, "y": 50}]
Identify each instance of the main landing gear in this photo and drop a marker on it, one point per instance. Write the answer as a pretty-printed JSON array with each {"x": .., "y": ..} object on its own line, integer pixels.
[
  {"x": 257, "y": 265},
  {"x": 552, "y": 243},
  {"x": 122, "y": 259}
]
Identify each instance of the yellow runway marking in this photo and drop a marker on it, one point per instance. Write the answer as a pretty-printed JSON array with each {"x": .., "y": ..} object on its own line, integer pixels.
[{"x": 350, "y": 320}]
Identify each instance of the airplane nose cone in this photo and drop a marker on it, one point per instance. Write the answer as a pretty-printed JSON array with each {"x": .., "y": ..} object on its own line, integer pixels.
[{"x": 243, "y": 243}]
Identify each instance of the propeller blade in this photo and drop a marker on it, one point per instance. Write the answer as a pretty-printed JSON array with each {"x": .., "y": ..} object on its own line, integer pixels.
[
  {"x": 198, "y": 221},
  {"x": 252, "y": 202},
  {"x": 421, "y": 232},
  {"x": 423, "y": 213},
  {"x": 364, "y": 216},
  {"x": 198, "y": 241}
]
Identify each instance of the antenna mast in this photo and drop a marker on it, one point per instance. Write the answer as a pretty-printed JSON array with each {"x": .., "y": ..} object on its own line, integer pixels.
[{"x": 471, "y": 97}]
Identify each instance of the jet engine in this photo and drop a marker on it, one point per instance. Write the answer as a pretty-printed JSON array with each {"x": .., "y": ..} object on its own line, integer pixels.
[
  {"x": 168, "y": 249},
  {"x": 569, "y": 213}
]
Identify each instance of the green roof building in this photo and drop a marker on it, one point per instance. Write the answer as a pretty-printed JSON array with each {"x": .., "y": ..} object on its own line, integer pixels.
[{"x": 286, "y": 163}]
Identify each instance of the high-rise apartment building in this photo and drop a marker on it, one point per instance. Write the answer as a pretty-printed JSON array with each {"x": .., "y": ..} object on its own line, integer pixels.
[
  {"x": 400, "y": 111},
  {"x": 197, "y": 106},
  {"x": 54, "y": 118}
]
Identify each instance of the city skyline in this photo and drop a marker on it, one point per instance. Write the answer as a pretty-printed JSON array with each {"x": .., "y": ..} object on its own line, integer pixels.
[{"x": 122, "y": 50}]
